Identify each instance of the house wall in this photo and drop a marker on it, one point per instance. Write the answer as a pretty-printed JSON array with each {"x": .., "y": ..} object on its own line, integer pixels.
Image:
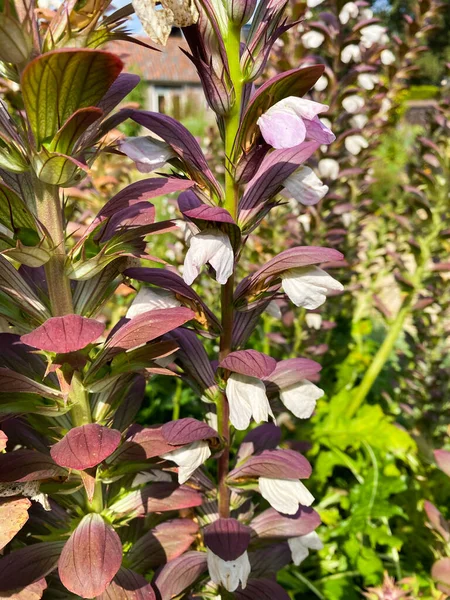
[{"x": 177, "y": 100}]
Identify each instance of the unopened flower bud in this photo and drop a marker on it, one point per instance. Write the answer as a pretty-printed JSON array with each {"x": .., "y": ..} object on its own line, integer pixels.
[{"x": 240, "y": 11}]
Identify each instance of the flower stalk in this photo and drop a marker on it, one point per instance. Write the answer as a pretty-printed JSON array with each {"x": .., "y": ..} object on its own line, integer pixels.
[
  {"x": 50, "y": 214},
  {"x": 232, "y": 121}
]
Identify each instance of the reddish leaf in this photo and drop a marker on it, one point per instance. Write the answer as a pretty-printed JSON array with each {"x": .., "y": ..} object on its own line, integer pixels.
[
  {"x": 227, "y": 538},
  {"x": 268, "y": 180},
  {"x": 275, "y": 464},
  {"x": 186, "y": 431},
  {"x": 33, "y": 591},
  {"x": 442, "y": 458},
  {"x": 264, "y": 437},
  {"x": 183, "y": 144},
  {"x": 64, "y": 334},
  {"x": 27, "y": 465},
  {"x": 13, "y": 516},
  {"x": 441, "y": 573},
  {"x": 12, "y": 382},
  {"x": 90, "y": 558},
  {"x": 437, "y": 521},
  {"x": 85, "y": 446},
  {"x": 145, "y": 444},
  {"x": 301, "y": 256},
  {"x": 160, "y": 545},
  {"x": 291, "y": 371},
  {"x": 145, "y": 328},
  {"x": 27, "y": 565},
  {"x": 88, "y": 479},
  {"x": 262, "y": 589},
  {"x": 270, "y": 524},
  {"x": 249, "y": 362},
  {"x": 157, "y": 497},
  {"x": 128, "y": 585},
  {"x": 179, "y": 574}
]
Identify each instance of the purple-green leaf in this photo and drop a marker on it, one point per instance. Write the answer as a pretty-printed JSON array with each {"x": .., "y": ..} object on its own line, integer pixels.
[
  {"x": 227, "y": 538},
  {"x": 128, "y": 585},
  {"x": 27, "y": 465},
  {"x": 13, "y": 516},
  {"x": 262, "y": 589},
  {"x": 291, "y": 371},
  {"x": 183, "y": 144},
  {"x": 145, "y": 328},
  {"x": 186, "y": 431},
  {"x": 143, "y": 445},
  {"x": 249, "y": 362},
  {"x": 179, "y": 574},
  {"x": 271, "y": 525},
  {"x": 274, "y": 464},
  {"x": 91, "y": 557},
  {"x": 64, "y": 334},
  {"x": 157, "y": 497},
  {"x": 440, "y": 572},
  {"x": 160, "y": 545},
  {"x": 85, "y": 446},
  {"x": 29, "y": 564},
  {"x": 442, "y": 458},
  {"x": 56, "y": 84},
  {"x": 33, "y": 591}
]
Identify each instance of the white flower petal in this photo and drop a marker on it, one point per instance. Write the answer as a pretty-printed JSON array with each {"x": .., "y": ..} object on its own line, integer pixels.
[
  {"x": 150, "y": 299},
  {"x": 285, "y": 495},
  {"x": 299, "y": 546},
  {"x": 300, "y": 398},
  {"x": 359, "y": 121},
  {"x": 188, "y": 458},
  {"x": 273, "y": 310},
  {"x": 305, "y": 186},
  {"x": 353, "y": 103},
  {"x": 387, "y": 57},
  {"x": 210, "y": 246},
  {"x": 368, "y": 80},
  {"x": 148, "y": 153},
  {"x": 308, "y": 286},
  {"x": 313, "y": 3},
  {"x": 328, "y": 168},
  {"x": 321, "y": 84},
  {"x": 349, "y": 11},
  {"x": 355, "y": 143},
  {"x": 313, "y": 320},
  {"x": 352, "y": 52},
  {"x": 312, "y": 39},
  {"x": 298, "y": 551},
  {"x": 228, "y": 573},
  {"x": 247, "y": 398},
  {"x": 373, "y": 34}
]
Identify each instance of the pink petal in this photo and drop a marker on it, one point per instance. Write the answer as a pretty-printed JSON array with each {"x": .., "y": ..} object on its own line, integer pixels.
[
  {"x": 282, "y": 129},
  {"x": 317, "y": 131}
]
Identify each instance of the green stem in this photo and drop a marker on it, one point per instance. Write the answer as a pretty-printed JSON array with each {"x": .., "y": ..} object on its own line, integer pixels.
[
  {"x": 381, "y": 357},
  {"x": 232, "y": 121},
  {"x": 50, "y": 214}
]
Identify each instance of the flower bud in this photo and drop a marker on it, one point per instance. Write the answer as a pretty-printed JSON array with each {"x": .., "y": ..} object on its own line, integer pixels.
[{"x": 240, "y": 11}]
